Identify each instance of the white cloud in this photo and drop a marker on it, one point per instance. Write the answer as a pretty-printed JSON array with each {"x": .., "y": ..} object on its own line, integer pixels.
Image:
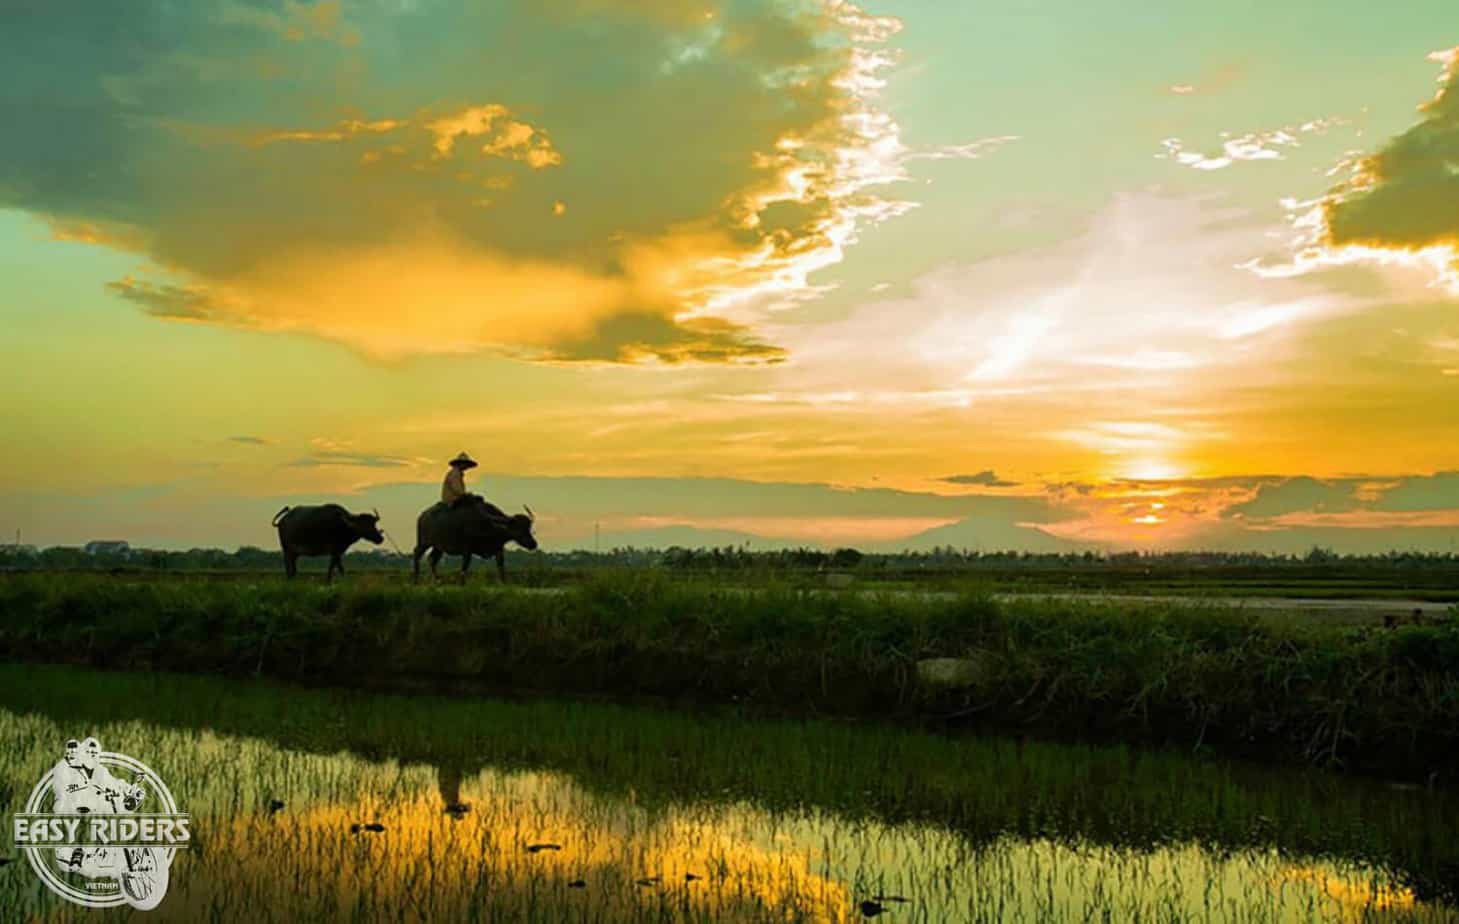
[
  {"x": 1262, "y": 145},
  {"x": 1152, "y": 291},
  {"x": 970, "y": 151}
]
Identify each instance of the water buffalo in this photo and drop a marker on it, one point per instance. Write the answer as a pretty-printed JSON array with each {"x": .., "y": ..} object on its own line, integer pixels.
[
  {"x": 471, "y": 528},
  {"x": 325, "y": 530}
]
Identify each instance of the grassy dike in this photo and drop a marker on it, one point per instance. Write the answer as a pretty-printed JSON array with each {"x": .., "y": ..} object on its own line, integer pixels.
[{"x": 1368, "y": 700}]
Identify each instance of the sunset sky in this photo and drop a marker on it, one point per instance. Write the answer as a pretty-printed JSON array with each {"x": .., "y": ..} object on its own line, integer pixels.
[{"x": 1044, "y": 275}]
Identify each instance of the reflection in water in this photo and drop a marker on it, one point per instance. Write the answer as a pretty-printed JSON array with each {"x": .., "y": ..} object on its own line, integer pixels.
[
  {"x": 623, "y": 860},
  {"x": 633, "y": 861},
  {"x": 448, "y": 781},
  {"x": 1356, "y": 898}
]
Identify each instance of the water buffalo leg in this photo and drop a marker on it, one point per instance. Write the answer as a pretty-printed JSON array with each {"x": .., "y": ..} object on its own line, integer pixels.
[
  {"x": 435, "y": 559},
  {"x": 501, "y": 564},
  {"x": 465, "y": 563},
  {"x": 415, "y": 572},
  {"x": 291, "y": 562}
]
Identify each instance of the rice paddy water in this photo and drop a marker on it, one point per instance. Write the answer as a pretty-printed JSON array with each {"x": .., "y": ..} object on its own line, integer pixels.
[{"x": 561, "y": 812}]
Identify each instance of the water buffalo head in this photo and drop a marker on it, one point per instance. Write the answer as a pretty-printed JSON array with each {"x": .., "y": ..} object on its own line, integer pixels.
[
  {"x": 366, "y": 526},
  {"x": 519, "y": 527},
  {"x": 491, "y": 525}
]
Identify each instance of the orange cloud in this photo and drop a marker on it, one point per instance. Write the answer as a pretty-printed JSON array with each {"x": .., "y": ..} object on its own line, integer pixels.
[
  {"x": 706, "y": 191},
  {"x": 340, "y": 131},
  {"x": 502, "y": 135}
]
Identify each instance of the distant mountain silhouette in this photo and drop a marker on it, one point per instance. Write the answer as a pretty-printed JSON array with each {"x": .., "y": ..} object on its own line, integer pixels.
[
  {"x": 689, "y": 537},
  {"x": 987, "y": 534}
]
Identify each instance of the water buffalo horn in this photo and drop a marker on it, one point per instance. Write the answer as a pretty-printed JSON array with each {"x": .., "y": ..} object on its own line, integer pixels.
[
  {"x": 376, "y": 511},
  {"x": 530, "y": 514}
]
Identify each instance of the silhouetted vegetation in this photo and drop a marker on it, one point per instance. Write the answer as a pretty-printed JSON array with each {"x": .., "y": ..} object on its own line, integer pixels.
[
  {"x": 1318, "y": 573},
  {"x": 1367, "y": 698}
]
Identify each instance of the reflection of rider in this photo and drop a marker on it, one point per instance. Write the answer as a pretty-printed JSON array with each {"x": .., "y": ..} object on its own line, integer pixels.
[
  {"x": 448, "y": 781},
  {"x": 453, "y": 489}
]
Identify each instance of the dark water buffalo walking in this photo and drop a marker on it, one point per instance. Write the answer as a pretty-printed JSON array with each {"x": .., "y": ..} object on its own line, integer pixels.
[
  {"x": 471, "y": 529},
  {"x": 325, "y": 530}
]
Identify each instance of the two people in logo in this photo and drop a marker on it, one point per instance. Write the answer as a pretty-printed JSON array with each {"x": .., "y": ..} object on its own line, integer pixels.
[{"x": 82, "y": 785}]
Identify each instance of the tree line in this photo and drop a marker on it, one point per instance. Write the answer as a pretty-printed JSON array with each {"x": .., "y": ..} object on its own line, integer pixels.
[{"x": 741, "y": 558}]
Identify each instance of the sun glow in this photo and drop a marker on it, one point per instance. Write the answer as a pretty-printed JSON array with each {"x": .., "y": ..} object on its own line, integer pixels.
[{"x": 1152, "y": 469}]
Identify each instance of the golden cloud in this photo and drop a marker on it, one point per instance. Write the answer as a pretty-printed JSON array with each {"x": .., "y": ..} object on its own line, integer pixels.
[
  {"x": 342, "y": 130},
  {"x": 502, "y": 136},
  {"x": 715, "y": 157}
]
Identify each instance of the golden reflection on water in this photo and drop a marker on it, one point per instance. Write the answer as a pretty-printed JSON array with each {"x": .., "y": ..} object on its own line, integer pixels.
[
  {"x": 303, "y": 862},
  {"x": 436, "y": 866},
  {"x": 1356, "y": 897}
]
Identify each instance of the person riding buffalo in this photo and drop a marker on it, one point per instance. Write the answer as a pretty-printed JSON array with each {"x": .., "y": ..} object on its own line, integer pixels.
[{"x": 453, "y": 490}]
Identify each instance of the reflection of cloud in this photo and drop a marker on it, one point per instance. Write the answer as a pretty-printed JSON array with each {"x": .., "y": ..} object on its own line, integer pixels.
[
  {"x": 742, "y": 873},
  {"x": 1357, "y": 899}
]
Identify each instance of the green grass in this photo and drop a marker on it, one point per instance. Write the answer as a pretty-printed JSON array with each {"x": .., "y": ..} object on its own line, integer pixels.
[
  {"x": 1201, "y": 678},
  {"x": 1436, "y": 582}
]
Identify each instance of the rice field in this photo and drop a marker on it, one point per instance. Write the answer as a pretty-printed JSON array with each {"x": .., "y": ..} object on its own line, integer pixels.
[
  {"x": 1357, "y": 698},
  {"x": 542, "y": 811}
]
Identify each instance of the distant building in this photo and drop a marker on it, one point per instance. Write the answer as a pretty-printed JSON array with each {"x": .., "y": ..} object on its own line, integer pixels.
[{"x": 107, "y": 547}]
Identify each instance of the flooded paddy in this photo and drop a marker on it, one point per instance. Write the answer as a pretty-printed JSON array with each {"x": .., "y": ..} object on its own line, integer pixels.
[{"x": 497, "y": 811}]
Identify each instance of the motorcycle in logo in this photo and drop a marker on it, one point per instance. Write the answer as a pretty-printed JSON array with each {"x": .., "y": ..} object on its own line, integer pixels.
[{"x": 85, "y": 834}]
